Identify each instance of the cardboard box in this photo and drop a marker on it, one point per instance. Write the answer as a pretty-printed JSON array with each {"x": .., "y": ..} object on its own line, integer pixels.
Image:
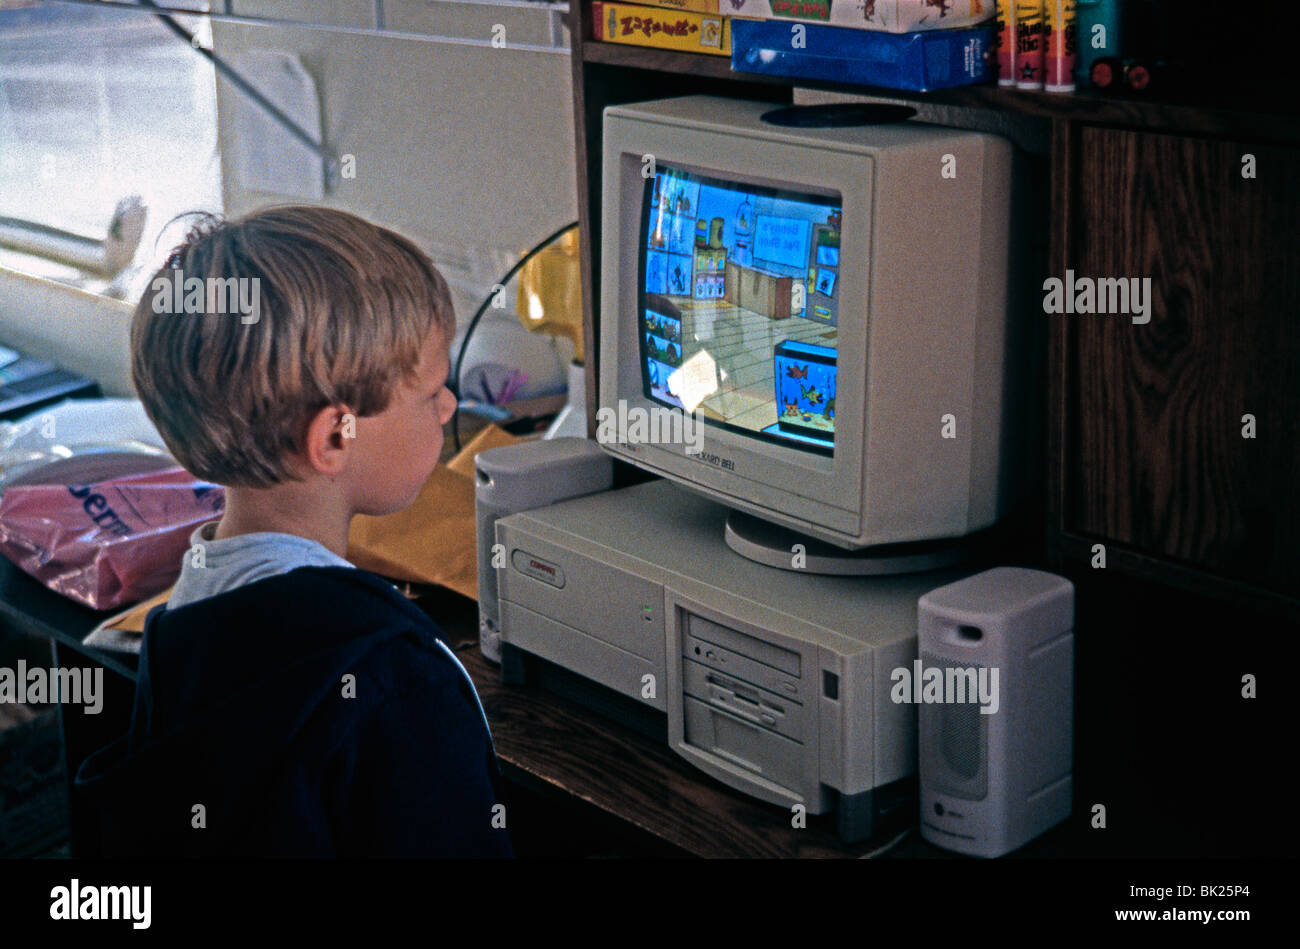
[
  {"x": 711, "y": 7},
  {"x": 888, "y": 16},
  {"x": 682, "y": 30}
]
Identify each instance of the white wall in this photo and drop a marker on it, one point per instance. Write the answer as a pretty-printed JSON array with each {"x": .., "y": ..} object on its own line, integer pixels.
[{"x": 467, "y": 149}]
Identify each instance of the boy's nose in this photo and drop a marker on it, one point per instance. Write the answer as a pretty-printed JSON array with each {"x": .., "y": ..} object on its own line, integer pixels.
[{"x": 448, "y": 406}]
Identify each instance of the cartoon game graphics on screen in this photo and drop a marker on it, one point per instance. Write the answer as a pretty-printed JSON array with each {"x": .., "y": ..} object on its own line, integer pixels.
[
  {"x": 750, "y": 275},
  {"x": 805, "y": 385},
  {"x": 663, "y": 346}
]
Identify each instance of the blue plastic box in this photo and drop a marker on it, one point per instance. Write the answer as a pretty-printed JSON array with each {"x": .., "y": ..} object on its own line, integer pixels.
[{"x": 934, "y": 59}]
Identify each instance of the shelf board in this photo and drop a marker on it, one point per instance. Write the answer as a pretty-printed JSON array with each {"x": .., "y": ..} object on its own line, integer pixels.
[{"x": 1268, "y": 117}]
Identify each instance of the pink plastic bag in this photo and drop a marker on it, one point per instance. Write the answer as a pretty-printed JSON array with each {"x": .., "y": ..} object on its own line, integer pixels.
[{"x": 100, "y": 536}]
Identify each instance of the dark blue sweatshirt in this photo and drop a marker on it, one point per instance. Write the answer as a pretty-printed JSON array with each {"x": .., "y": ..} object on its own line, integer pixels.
[{"x": 312, "y": 714}]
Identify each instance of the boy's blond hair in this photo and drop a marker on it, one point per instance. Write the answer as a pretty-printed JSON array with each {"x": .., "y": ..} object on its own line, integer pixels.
[{"x": 344, "y": 309}]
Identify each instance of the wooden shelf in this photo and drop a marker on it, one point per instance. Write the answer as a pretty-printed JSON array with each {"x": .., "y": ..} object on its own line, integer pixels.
[{"x": 1267, "y": 118}]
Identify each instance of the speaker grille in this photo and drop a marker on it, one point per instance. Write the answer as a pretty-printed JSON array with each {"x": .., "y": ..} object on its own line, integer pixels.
[
  {"x": 954, "y": 741},
  {"x": 959, "y": 739}
]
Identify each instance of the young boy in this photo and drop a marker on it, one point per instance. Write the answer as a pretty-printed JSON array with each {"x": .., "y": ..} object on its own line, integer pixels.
[{"x": 289, "y": 703}]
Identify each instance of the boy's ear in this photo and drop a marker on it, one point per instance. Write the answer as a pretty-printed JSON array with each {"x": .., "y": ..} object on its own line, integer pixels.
[{"x": 326, "y": 446}]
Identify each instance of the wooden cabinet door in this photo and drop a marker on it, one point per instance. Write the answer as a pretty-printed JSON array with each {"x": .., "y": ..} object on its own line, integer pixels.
[{"x": 1153, "y": 456}]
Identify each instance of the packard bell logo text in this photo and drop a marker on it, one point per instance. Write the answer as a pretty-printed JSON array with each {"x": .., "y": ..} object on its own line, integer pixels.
[{"x": 636, "y": 425}]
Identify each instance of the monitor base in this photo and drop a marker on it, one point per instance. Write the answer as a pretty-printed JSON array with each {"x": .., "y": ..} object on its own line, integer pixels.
[{"x": 781, "y": 547}]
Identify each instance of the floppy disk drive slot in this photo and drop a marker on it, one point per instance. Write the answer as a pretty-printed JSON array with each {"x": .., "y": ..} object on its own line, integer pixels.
[{"x": 743, "y": 700}]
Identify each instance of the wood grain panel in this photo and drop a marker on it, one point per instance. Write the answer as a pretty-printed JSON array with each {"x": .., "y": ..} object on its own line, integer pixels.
[{"x": 1154, "y": 447}]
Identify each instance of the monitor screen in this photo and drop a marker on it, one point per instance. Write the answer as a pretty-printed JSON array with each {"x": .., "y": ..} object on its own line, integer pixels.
[{"x": 738, "y": 307}]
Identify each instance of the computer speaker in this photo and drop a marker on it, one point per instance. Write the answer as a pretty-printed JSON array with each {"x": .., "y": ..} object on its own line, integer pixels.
[{"x": 994, "y": 686}]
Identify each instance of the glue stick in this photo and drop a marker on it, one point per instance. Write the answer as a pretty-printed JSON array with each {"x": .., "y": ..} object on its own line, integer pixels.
[
  {"x": 1029, "y": 44},
  {"x": 1061, "y": 29},
  {"x": 1006, "y": 42}
]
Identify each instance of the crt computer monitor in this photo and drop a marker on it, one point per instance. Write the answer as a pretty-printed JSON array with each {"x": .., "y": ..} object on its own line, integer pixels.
[{"x": 829, "y": 303}]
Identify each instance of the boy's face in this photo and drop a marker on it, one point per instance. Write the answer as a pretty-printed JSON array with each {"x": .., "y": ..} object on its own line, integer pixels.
[{"x": 397, "y": 449}]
